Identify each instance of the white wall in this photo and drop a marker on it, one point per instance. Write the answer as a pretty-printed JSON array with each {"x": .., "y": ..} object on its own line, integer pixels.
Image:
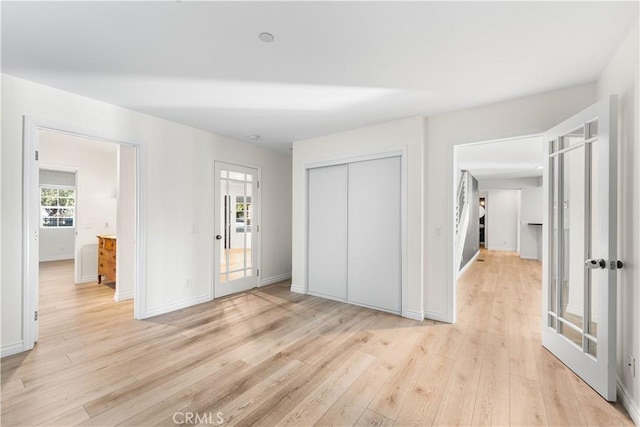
[
  {"x": 525, "y": 116},
  {"x": 126, "y": 223},
  {"x": 95, "y": 163},
  {"x": 508, "y": 183},
  {"x": 531, "y": 235},
  {"x": 621, "y": 77},
  {"x": 405, "y": 134},
  {"x": 177, "y": 164},
  {"x": 502, "y": 215}
]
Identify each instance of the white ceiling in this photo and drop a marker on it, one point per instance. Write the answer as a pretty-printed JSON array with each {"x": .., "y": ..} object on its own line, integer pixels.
[
  {"x": 513, "y": 158},
  {"x": 333, "y": 66}
]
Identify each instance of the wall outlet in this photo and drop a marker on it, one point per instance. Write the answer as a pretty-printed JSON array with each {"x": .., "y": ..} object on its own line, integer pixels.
[
  {"x": 188, "y": 283},
  {"x": 631, "y": 364}
]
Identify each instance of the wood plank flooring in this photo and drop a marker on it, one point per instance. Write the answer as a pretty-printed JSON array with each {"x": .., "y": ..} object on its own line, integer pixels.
[{"x": 271, "y": 357}]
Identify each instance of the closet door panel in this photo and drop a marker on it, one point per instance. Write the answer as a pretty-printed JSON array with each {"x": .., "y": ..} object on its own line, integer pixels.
[
  {"x": 374, "y": 234},
  {"x": 327, "y": 264}
]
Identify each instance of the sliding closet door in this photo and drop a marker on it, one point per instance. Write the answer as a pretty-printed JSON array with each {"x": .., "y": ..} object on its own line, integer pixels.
[
  {"x": 328, "y": 231},
  {"x": 374, "y": 234}
]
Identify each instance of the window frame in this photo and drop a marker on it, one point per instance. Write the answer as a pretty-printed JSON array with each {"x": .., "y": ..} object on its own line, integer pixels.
[{"x": 71, "y": 208}]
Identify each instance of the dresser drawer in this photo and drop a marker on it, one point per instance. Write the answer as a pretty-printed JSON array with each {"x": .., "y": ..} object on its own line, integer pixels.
[
  {"x": 108, "y": 244},
  {"x": 107, "y": 269},
  {"x": 107, "y": 255}
]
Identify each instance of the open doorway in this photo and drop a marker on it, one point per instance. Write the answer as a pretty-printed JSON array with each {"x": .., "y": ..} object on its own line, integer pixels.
[
  {"x": 80, "y": 190},
  {"x": 508, "y": 199},
  {"x": 505, "y": 200}
]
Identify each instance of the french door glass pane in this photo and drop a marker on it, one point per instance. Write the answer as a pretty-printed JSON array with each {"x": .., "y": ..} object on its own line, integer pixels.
[
  {"x": 573, "y": 219},
  {"x": 236, "y": 213},
  {"x": 571, "y": 296}
]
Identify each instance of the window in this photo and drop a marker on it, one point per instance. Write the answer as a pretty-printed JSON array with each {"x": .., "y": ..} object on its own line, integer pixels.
[{"x": 57, "y": 207}]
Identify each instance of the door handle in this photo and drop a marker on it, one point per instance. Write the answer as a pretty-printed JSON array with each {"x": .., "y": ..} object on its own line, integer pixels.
[
  {"x": 218, "y": 237},
  {"x": 601, "y": 264},
  {"x": 595, "y": 264}
]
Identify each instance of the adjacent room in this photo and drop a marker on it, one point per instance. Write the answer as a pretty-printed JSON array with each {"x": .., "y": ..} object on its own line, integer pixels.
[{"x": 320, "y": 213}]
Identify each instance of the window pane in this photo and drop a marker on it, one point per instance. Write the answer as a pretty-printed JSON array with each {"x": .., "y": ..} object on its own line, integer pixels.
[{"x": 66, "y": 193}]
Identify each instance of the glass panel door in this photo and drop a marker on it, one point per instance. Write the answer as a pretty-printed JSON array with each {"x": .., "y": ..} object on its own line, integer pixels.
[
  {"x": 579, "y": 294},
  {"x": 235, "y": 228}
]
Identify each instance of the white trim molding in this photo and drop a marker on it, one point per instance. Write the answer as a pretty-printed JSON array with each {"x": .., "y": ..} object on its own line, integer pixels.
[
  {"x": 468, "y": 264},
  {"x": 274, "y": 279},
  {"x": 298, "y": 289},
  {"x": 89, "y": 279},
  {"x": 628, "y": 403},
  {"x": 175, "y": 306},
  {"x": 11, "y": 349},
  {"x": 438, "y": 316},
  {"x": 117, "y": 297},
  {"x": 62, "y": 257},
  {"x": 412, "y": 314}
]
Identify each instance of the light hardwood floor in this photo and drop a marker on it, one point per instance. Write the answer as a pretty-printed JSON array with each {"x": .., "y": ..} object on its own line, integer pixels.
[{"x": 271, "y": 357}]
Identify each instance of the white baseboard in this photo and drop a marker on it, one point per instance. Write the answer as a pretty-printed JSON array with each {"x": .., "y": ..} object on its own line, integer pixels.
[
  {"x": 530, "y": 257},
  {"x": 123, "y": 296},
  {"x": 415, "y": 315},
  {"x": 297, "y": 289},
  {"x": 275, "y": 279},
  {"x": 503, "y": 249},
  {"x": 176, "y": 306},
  {"x": 11, "y": 349},
  {"x": 468, "y": 264},
  {"x": 89, "y": 279},
  {"x": 628, "y": 403},
  {"x": 61, "y": 257},
  {"x": 437, "y": 316}
]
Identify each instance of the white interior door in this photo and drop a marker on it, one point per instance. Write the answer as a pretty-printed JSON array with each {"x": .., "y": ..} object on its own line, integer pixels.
[
  {"x": 236, "y": 228},
  {"x": 579, "y": 269},
  {"x": 328, "y": 231},
  {"x": 355, "y": 233},
  {"x": 374, "y": 234}
]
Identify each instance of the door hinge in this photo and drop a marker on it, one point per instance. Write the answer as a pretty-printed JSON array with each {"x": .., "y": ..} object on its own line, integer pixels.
[
  {"x": 37, "y": 155},
  {"x": 258, "y": 273},
  {"x": 35, "y": 315},
  {"x": 258, "y": 228}
]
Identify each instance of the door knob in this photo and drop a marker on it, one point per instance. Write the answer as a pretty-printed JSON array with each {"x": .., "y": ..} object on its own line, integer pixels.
[
  {"x": 218, "y": 237},
  {"x": 595, "y": 263}
]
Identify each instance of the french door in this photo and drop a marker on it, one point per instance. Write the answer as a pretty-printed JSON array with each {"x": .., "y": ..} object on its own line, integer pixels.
[
  {"x": 236, "y": 228},
  {"x": 579, "y": 241}
]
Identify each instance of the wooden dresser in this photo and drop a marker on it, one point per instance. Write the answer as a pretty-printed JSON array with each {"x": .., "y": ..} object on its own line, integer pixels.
[{"x": 106, "y": 258}]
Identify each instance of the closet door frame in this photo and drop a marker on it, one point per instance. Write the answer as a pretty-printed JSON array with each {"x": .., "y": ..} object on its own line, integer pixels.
[{"x": 403, "y": 216}]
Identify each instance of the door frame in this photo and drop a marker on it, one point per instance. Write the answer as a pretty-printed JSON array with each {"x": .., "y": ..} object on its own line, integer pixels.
[
  {"x": 31, "y": 208},
  {"x": 257, "y": 215},
  {"x": 452, "y": 290}
]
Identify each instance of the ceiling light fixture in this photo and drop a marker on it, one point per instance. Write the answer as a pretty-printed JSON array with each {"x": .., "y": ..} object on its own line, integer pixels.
[
  {"x": 266, "y": 37},
  {"x": 254, "y": 137}
]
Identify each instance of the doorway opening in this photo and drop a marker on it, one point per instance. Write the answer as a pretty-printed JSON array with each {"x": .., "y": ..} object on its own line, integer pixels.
[
  {"x": 502, "y": 185},
  {"x": 78, "y": 188}
]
